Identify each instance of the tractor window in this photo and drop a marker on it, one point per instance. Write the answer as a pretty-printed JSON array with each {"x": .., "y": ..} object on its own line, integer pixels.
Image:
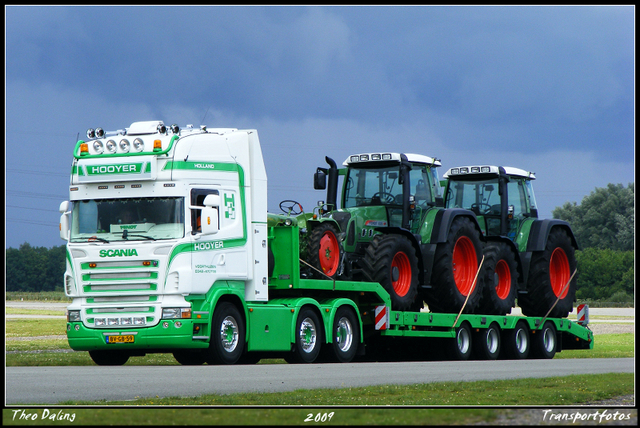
[
  {"x": 517, "y": 197},
  {"x": 374, "y": 186},
  {"x": 481, "y": 197},
  {"x": 425, "y": 186}
]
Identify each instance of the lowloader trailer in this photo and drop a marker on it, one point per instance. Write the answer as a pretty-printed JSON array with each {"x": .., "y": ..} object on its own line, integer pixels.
[{"x": 170, "y": 250}]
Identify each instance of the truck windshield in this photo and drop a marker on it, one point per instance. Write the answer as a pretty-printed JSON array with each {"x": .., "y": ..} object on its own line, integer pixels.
[{"x": 127, "y": 219}]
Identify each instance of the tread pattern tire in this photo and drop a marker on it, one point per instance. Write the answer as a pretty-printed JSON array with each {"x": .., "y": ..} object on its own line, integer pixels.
[
  {"x": 325, "y": 250},
  {"x": 455, "y": 268},
  {"x": 544, "y": 342},
  {"x": 346, "y": 335},
  {"x": 227, "y": 335},
  {"x": 516, "y": 342},
  {"x": 109, "y": 358},
  {"x": 499, "y": 278},
  {"x": 549, "y": 272},
  {"x": 391, "y": 261},
  {"x": 308, "y": 336}
]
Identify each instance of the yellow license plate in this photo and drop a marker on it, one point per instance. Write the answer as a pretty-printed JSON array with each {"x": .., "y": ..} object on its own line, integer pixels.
[{"x": 124, "y": 338}]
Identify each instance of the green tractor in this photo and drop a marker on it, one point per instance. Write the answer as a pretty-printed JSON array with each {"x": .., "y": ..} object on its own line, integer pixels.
[
  {"x": 391, "y": 228},
  {"x": 526, "y": 258}
]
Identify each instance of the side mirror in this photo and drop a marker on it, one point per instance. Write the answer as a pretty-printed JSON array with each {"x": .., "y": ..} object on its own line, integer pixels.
[
  {"x": 64, "y": 220},
  {"x": 320, "y": 179},
  {"x": 209, "y": 219}
]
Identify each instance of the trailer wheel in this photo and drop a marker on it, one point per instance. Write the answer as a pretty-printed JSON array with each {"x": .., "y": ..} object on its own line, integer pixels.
[
  {"x": 461, "y": 346},
  {"x": 549, "y": 273},
  {"x": 346, "y": 335},
  {"x": 516, "y": 342},
  {"x": 190, "y": 358},
  {"x": 499, "y": 278},
  {"x": 544, "y": 341},
  {"x": 486, "y": 344},
  {"x": 308, "y": 338},
  {"x": 227, "y": 335},
  {"x": 324, "y": 249},
  {"x": 454, "y": 269},
  {"x": 391, "y": 261},
  {"x": 109, "y": 358}
]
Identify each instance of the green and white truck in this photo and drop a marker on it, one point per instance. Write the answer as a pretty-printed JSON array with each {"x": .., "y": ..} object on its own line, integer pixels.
[{"x": 170, "y": 249}]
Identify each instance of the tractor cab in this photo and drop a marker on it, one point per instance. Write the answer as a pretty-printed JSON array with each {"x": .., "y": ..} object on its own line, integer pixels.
[{"x": 501, "y": 197}]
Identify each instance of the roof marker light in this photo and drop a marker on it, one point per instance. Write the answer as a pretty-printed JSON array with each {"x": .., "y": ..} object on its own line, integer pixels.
[
  {"x": 111, "y": 146},
  {"x": 125, "y": 145},
  {"x": 157, "y": 145},
  {"x": 138, "y": 145},
  {"x": 84, "y": 149},
  {"x": 98, "y": 146}
]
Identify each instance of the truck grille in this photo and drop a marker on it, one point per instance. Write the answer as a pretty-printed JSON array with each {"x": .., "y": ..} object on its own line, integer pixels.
[{"x": 136, "y": 284}]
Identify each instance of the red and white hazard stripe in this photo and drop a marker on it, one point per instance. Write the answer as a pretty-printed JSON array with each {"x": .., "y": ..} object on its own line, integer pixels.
[
  {"x": 382, "y": 317},
  {"x": 583, "y": 314}
]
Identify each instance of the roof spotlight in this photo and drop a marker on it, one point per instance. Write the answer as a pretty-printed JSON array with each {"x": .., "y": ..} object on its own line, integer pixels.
[
  {"x": 161, "y": 128},
  {"x": 175, "y": 128},
  {"x": 99, "y": 133},
  {"x": 91, "y": 133}
]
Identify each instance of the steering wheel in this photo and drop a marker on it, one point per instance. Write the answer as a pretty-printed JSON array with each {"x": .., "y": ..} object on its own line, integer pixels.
[
  {"x": 385, "y": 197},
  {"x": 289, "y": 207},
  {"x": 476, "y": 207}
]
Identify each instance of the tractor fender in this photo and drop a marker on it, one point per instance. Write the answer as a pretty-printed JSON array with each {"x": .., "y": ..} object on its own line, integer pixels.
[
  {"x": 539, "y": 233},
  {"x": 443, "y": 220}
]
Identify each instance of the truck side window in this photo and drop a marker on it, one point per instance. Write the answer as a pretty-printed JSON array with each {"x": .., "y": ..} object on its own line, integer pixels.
[{"x": 197, "y": 199}]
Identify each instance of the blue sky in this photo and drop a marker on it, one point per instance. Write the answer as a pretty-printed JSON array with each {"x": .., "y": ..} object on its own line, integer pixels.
[{"x": 547, "y": 89}]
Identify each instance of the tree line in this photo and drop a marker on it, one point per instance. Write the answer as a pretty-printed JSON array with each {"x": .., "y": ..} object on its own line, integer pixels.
[{"x": 603, "y": 224}]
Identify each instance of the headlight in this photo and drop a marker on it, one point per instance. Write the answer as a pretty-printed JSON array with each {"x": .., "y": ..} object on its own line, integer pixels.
[
  {"x": 176, "y": 313},
  {"x": 73, "y": 316},
  {"x": 111, "y": 146},
  {"x": 98, "y": 146},
  {"x": 138, "y": 145},
  {"x": 125, "y": 146}
]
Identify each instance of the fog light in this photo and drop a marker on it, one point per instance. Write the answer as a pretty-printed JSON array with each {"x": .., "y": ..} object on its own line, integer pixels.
[
  {"x": 178, "y": 324},
  {"x": 77, "y": 327},
  {"x": 165, "y": 324}
]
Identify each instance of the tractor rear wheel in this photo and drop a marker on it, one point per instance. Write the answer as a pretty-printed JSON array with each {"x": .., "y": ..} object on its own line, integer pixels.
[
  {"x": 325, "y": 250},
  {"x": 391, "y": 261},
  {"x": 500, "y": 280},
  {"x": 549, "y": 274},
  {"x": 454, "y": 270}
]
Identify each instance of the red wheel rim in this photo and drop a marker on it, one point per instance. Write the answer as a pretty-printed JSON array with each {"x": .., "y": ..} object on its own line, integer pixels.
[
  {"x": 329, "y": 253},
  {"x": 559, "y": 272},
  {"x": 402, "y": 267},
  {"x": 465, "y": 264},
  {"x": 503, "y": 286}
]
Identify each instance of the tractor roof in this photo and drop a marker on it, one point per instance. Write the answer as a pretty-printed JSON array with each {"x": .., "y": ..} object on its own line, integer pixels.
[
  {"x": 486, "y": 171},
  {"x": 370, "y": 158}
]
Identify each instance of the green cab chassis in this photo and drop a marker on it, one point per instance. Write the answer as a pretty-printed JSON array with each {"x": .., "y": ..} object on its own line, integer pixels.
[{"x": 177, "y": 254}]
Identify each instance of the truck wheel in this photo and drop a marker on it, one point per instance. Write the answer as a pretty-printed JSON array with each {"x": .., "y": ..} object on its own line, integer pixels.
[
  {"x": 499, "y": 278},
  {"x": 324, "y": 249},
  {"x": 227, "y": 335},
  {"x": 460, "y": 347},
  {"x": 346, "y": 335},
  {"x": 308, "y": 338},
  {"x": 486, "y": 344},
  {"x": 549, "y": 273},
  {"x": 544, "y": 341},
  {"x": 516, "y": 342},
  {"x": 190, "y": 358},
  {"x": 391, "y": 261},
  {"x": 109, "y": 358},
  {"x": 455, "y": 265}
]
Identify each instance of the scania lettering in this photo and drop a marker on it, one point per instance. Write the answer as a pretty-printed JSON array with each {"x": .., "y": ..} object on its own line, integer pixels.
[{"x": 182, "y": 257}]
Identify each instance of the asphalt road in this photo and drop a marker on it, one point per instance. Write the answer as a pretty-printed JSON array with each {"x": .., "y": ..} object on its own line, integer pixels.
[{"x": 51, "y": 385}]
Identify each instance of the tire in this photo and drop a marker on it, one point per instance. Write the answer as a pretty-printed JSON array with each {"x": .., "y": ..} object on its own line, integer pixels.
[
  {"x": 109, "y": 358},
  {"x": 391, "y": 261},
  {"x": 325, "y": 250},
  {"x": 460, "y": 347},
  {"x": 549, "y": 272},
  {"x": 308, "y": 338},
  {"x": 455, "y": 265},
  {"x": 544, "y": 342},
  {"x": 227, "y": 335},
  {"x": 499, "y": 278},
  {"x": 190, "y": 358},
  {"x": 486, "y": 344},
  {"x": 516, "y": 342},
  {"x": 346, "y": 335}
]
